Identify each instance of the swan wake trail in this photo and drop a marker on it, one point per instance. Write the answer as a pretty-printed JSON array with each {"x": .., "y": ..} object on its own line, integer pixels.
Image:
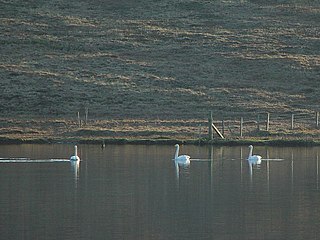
[
  {"x": 272, "y": 159},
  {"x": 28, "y": 160},
  {"x": 200, "y": 160}
]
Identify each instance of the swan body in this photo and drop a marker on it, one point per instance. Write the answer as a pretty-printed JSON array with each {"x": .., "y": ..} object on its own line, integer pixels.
[
  {"x": 253, "y": 159},
  {"x": 182, "y": 160},
  {"x": 75, "y": 157}
]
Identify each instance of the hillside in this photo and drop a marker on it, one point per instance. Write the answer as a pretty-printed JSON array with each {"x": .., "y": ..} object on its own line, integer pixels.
[{"x": 174, "y": 59}]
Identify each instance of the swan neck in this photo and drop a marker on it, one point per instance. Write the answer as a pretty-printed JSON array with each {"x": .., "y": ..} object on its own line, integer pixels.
[
  {"x": 76, "y": 151},
  {"x": 250, "y": 152},
  {"x": 177, "y": 152}
]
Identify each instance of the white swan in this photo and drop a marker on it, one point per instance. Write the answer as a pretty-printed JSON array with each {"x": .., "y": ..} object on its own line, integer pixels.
[
  {"x": 182, "y": 160},
  {"x": 75, "y": 157},
  {"x": 253, "y": 159}
]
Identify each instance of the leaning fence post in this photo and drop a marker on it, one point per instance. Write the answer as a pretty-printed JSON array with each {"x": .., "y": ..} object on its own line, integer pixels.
[
  {"x": 268, "y": 122},
  {"x": 210, "y": 126},
  {"x": 292, "y": 121}
]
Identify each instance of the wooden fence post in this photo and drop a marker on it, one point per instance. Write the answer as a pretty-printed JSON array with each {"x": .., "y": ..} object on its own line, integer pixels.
[
  {"x": 241, "y": 126},
  {"x": 79, "y": 120},
  {"x": 292, "y": 121},
  {"x": 210, "y": 126},
  {"x": 268, "y": 122},
  {"x": 86, "y": 112},
  {"x": 317, "y": 119},
  {"x": 258, "y": 122}
]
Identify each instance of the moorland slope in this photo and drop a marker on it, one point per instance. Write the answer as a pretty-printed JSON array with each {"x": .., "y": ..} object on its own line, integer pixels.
[{"x": 148, "y": 59}]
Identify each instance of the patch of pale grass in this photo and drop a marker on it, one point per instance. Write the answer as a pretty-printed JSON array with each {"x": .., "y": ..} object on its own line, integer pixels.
[
  {"x": 110, "y": 55},
  {"x": 17, "y": 21},
  {"x": 149, "y": 27},
  {"x": 69, "y": 19},
  {"x": 107, "y": 80},
  {"x": 304, "y": 61},
  {"x": 151, "y": 76},
  {"x": 23, "y": 69}
]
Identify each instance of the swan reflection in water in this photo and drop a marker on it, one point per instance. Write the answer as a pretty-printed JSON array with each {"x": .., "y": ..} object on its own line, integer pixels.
[
  {"x": 75, "y": 167},
  {"x": 254, "y": 162},
  {"x": 253, "y": 159},
  {"x": 182, "y": 161},
  {"x": 183, "y": 170}
]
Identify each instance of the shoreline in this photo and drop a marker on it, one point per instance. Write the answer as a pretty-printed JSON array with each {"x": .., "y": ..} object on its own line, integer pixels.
[{"x": 121, "y": 141}]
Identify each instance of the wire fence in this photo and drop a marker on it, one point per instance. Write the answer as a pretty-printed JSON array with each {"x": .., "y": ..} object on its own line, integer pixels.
[
  {"x": 250, "y": 124},
  {"x": 241, "y": 124}
]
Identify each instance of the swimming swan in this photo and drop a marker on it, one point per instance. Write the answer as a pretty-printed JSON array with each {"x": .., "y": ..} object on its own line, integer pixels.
[
  {"x": 253, "y": 159},
  {"x": 75, "y": 157},
  {"x": 182, "y": 160}
]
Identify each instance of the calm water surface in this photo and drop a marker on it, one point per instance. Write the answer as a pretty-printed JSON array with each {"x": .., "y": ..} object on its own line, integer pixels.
[{"x": 134, "y": 192}]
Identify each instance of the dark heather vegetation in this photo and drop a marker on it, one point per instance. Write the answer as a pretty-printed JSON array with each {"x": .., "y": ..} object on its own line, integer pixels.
[{"x": 154, "y": 61}]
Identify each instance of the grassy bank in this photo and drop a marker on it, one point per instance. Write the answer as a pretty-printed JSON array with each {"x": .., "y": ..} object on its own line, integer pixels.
[{"x": 141, "y": 131}]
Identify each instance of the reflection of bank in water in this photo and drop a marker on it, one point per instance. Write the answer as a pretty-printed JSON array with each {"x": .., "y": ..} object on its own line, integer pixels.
[
  {"x": 296, "y": 175},
  {"x": 317, "y": 160}
]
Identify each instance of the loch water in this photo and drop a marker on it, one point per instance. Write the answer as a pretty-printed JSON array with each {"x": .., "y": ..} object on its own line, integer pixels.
[{"x": 134, "y": 192}]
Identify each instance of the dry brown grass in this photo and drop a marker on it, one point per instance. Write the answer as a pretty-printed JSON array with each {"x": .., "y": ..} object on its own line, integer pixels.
[
  {"x": 56, "y": 130},
  {"x": 158, "y": 59}
]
